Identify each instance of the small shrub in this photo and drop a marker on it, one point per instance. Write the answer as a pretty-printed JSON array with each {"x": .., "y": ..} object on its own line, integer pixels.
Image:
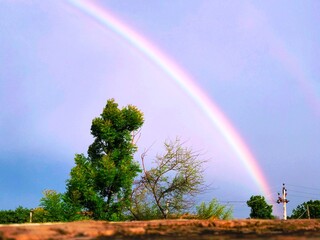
[
  {"x": 214, "y": 210},
  {"x": 39, "y": 215}
]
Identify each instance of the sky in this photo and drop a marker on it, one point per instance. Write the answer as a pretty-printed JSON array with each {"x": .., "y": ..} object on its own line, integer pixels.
[{"x": 255, "y": 60}]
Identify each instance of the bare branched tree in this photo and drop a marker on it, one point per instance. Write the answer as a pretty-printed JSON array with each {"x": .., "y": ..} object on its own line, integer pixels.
[{"x": 171, "y": 185}]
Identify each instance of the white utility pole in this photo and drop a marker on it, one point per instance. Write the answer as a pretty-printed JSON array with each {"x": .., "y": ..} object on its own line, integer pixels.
[
  {"x": 284, "y": 194},
  {"x": 283, "y": 200}
]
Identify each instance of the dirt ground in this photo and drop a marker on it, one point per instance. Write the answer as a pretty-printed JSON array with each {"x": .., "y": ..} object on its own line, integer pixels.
[{"x": 166, "y": 229}]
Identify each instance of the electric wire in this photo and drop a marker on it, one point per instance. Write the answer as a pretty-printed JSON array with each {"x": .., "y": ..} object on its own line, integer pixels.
[
  {"x": 304, "y": 187},
  {"x": 314, "y": 194}
]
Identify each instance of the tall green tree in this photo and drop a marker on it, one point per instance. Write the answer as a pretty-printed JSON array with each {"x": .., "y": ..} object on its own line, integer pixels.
[
  {"x": 259, "y": 208},
  {"x": 307, "y": 209},
  {"x": 102, "y": 181}
]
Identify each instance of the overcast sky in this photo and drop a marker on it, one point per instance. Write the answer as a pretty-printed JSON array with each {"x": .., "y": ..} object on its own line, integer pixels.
[{"x": 257, "y": 60}]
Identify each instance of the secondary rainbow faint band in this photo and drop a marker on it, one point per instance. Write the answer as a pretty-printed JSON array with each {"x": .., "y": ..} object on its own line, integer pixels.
[{"x": 106, "y": 18}]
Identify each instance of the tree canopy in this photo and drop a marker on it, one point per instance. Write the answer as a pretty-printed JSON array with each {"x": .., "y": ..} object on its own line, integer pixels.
[
  {"x": 259, "y": 208},
  {"x": 102, "y": 181},
  {"x": 310, "y": 209}
]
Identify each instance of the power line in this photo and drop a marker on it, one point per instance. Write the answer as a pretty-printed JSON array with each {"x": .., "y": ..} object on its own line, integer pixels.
[
  {"x": 314, "y": 194},
  {"x": 293, "y": 195},
  {"x": 232, "y": 201},
  {"x": 312, "y": 188},
  {"x": 307, "y": 198}
]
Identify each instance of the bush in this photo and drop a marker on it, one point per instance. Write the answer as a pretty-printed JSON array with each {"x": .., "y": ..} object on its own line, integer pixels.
[
  {"x": 19, "y": 215},
  {"x": 39, "y": 215},
  {"x": 214, "y": 210},
  {"x": 55, "y": 207},
  {"x": 22, "y": 215},
  {"x": 52, "y": 205}
]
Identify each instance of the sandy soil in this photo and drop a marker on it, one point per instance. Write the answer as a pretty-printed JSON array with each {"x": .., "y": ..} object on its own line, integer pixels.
[{"x": 166, "y": 229}]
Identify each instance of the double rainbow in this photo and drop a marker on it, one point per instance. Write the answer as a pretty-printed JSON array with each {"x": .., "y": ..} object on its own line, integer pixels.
[{"x": 209, "y": 108}]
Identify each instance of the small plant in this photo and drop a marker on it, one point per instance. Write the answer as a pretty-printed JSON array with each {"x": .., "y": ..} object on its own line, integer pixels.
[{"x": 214, "y": 210}]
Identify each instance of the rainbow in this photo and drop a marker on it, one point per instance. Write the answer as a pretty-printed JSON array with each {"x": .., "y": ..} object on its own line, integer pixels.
[{"x": 107, "y": 19}]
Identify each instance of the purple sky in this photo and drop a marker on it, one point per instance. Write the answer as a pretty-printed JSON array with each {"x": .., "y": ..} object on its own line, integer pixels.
[{"x": 255, "y": 59}]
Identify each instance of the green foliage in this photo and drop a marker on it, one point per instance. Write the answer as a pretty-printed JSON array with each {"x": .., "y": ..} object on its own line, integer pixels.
[
  {"x": 170, "y": 186},
  {"x": 102, "y": 182},
  {"x": 52, "y": 203},
  {"x": 214, "y": 210},
  {"x": 301, "y": 211},
  {"x": 39, "y": 215},
  {"x": 259, "y": 208},
  {"x": 19, "y": 215},
  {"x": 56, "y": 208}
]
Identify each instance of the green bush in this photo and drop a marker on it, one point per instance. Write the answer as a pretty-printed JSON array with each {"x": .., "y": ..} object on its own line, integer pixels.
[
  {"x": 19, "y": 215},
  {"x": 55, "y": 207},
  {"x": 52, "y": 205},
  {"x": 39, "y": 215},
  {"x": 214, "y": 210}
]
